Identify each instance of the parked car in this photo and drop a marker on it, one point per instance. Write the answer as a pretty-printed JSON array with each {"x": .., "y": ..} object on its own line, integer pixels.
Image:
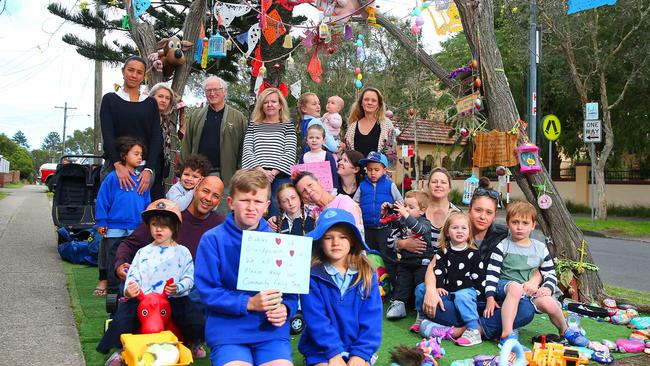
[{"x": 46, "y": 173}]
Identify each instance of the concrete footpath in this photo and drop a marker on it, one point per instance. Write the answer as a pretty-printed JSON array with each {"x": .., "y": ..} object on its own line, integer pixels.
[{"x": 37, "y": 323}]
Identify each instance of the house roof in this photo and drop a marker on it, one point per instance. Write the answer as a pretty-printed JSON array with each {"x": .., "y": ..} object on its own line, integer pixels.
[{"x": 429, "y": 132}]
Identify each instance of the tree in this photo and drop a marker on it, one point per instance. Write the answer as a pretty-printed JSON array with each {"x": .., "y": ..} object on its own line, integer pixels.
[
  {"x": 52, "y": 145},
  {"x": 600, "y": 44},
  {"x": 20, "y": 138},
  {"x": 556, "y": 222},
  {"x": 81, "y": 142},
  {"x": 18, "y": 157}
]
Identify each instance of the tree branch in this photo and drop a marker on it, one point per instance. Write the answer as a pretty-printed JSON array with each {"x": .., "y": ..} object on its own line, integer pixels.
[
  {"x": 634, "y": 28},
  {"x": 632, "y": 76}
]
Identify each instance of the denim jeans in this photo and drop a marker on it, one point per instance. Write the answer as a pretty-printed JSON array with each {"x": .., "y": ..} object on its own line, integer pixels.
[
  {"x": 465, "y": 302},
  {"x": 491, "y": 326}
]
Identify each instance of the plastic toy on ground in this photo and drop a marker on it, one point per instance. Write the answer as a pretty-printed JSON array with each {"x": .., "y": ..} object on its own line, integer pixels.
[
  {"x": 431, "y": 349},
  {"x": 154, "y": 312},
  {"x": 512, "y": 345},
  {"x": 640, "y": 323},
  {"x": 136, "y": 347},
  {"x": 630, "y": 346},
  {"x": 553, "y": 354}
]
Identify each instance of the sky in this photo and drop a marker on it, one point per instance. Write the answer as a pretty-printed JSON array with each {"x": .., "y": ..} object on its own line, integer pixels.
[{"x": 39, "y": 72}]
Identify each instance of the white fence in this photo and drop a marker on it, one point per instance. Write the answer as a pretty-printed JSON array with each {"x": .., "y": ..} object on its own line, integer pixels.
[{"x": 4, "y": 165}]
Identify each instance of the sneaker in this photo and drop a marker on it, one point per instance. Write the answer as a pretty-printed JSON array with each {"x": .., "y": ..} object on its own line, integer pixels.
[
  {"x": 415, "y": 328},
  {"x": 198, "y": 351},
  {"x": 513, "y": 335},
  {"x": 115, "y": 359},
  {"x": 575, "y": 338},
  {"x": 470, "y": 337},
  {"x": 396, "y": 310},
  {"x": 431, "y": 329}
]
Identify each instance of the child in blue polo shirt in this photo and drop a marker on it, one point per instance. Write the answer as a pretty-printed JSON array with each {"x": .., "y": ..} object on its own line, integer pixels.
[
  {"x": 375, "y": 190},
  {"x": 241, "y": 325},
  {"x": 343, "y": 307}
]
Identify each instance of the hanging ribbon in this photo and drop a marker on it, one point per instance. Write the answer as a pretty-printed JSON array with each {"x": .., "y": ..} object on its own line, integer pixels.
[
  {"x": 314, "y": 67},
  {"x": 256, "y": 63},
  {"x": 266, "y": 4}
]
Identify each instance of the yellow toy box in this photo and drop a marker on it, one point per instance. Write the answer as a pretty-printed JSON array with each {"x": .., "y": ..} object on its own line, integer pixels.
[{"x": 135, "y": 346}]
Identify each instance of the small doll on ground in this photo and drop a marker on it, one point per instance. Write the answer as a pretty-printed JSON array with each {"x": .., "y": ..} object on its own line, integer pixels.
[
  {"x": 151, "y": 268},
  {"x": 343, "y": 307},
  {"x": 332, "y": 119},
  {"x": 194, "y": 169}
]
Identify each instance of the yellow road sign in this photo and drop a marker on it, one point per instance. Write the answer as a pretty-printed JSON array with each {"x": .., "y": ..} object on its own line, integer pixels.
[{"x": 552, "y": 127}]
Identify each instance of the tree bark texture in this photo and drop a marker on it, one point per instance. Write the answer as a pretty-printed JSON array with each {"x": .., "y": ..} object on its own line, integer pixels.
[{"x": 191, "y": 27}]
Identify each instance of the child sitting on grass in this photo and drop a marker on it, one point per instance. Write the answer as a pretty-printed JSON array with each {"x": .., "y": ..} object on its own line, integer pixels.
[
  {"x": 152, "y": 266},
  {"x": 117, "y": 211},
  {"x": 242, "y": 327},
  {"x": 194, "y": 169},
  {"x": 512, "y": 264}
]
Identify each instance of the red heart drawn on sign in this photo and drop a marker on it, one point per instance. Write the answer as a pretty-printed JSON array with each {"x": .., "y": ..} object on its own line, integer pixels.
[
  {"x": 278, "y": 262},
  {"x": 291, "y": 252},
  {"x": 277, "y": 241}
]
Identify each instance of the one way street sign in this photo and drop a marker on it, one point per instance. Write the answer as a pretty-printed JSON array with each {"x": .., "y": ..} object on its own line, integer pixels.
[{"x": 592, "y": 132}]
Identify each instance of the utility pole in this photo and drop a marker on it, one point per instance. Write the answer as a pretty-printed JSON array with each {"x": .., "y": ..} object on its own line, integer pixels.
[
  {"x": 533, "y": 46},
  {"x": 97, "y": 130},
  {"x": 65, "y": 119}
]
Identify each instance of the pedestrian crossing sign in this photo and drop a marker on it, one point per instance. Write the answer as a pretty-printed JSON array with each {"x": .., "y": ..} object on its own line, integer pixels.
[{"x": 551, "y": 127}]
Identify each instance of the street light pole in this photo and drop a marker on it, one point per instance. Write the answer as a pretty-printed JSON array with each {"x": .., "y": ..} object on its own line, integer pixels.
[
  {"x": 65, "y": 120},
  {"x": 532, "y": 73}
]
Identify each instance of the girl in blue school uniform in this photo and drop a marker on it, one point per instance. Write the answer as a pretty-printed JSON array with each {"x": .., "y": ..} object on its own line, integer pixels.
[{"x": 343, "y": 307}]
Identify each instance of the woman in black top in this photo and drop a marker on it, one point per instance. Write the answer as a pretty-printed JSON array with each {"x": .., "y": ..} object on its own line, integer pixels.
[
  {"x": 128, "y": 112},
  {"x": 350, "y": 173},
  {"x": 369, "y": 129}
]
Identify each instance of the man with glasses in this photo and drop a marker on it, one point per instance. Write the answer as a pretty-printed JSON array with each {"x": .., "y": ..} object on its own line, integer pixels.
[{"x": 217, "y": 132}]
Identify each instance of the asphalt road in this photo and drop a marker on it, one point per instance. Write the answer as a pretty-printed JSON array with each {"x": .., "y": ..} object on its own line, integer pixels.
[{"x": 623, "y": 263}]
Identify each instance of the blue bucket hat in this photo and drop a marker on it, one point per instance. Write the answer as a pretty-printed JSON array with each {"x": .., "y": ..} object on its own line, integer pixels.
[
  {"x": 335, "y": 216},
  {"x": 374, "y": 157}
]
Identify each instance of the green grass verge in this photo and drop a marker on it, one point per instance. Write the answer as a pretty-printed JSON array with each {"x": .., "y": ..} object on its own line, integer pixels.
[
  {"x": 638, "y": 298},
  {"x": 13, "y": 185},
  {"x": 50, "y": 195},
  {"x": 612, "y": 209},
  {"x": 89, "y": 315},
  {"x": 4, "y": 194},
  {"x": 615, "y": 226}
]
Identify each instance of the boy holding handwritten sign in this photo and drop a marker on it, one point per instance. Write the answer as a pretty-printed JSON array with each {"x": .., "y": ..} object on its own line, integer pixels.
[{"x": 241, "y": 326}]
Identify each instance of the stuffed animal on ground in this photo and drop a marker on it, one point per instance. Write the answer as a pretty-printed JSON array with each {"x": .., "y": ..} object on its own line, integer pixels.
[
  {"x": 160, "y": 354},
  {"x": 154, "y": 313},
  {"x": 170, "y": 54}
]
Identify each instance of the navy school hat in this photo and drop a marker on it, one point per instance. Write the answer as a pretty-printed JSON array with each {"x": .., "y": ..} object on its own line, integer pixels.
[{"x": 335, "y": 216}]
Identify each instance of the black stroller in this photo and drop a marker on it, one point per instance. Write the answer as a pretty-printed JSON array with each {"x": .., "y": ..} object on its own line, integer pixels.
[{"x": 75, "y": 185}]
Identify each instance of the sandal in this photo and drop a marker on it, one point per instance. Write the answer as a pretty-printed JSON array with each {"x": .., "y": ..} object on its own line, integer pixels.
[{"x": 100, "y": 291}]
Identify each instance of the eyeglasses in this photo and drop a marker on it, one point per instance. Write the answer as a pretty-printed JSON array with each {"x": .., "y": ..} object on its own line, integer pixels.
[
  {"x": 480, "y": 191},
  {"x": 213, "y": 91}
]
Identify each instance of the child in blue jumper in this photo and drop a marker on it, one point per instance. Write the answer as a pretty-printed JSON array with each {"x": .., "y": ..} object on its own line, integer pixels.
[
  {"x": 375, "y": 190},
  {"x": 152, "y": 266},
  {"x": 316, "y": 152},
  {"x": 241, "y": 326},
  {"x": 117, "y": 211},
  {"x": 343, "y": 308},
  {"x": 293, "y": 219}
]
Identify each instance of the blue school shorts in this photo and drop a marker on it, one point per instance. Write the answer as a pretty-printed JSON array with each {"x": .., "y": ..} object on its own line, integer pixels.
[{"x": 253, "y": 353}]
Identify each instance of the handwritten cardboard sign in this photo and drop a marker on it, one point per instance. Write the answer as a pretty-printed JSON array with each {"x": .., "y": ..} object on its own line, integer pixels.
[
  {"x": 321, "y": 170},
  {"x": 494, "y": 148},
  {"x": 274, "y": 261}
]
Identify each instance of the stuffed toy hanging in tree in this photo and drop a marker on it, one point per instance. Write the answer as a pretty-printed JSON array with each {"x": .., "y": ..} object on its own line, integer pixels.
[{"x": 170, "y": 54}]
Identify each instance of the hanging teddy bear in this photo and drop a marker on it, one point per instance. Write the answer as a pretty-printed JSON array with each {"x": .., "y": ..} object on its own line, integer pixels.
[{"x": 170, "y": 54}]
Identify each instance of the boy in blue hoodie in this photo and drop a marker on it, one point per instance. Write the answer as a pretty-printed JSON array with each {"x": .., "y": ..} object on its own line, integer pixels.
[{"x": 241, "y": 326}]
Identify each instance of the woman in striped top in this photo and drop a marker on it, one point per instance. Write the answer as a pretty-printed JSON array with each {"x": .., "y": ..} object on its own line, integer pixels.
[{"x": 270, "y": 142}]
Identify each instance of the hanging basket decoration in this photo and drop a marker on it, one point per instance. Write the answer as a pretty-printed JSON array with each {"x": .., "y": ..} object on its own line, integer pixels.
[
  {"x": 528, "y": 155},
  {"x": 217, "y": 46}
]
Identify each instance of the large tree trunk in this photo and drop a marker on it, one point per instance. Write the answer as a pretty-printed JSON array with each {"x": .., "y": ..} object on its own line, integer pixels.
[
  {"x": 191, "y": 27},
  {"x": 556, "y": 222},
  {"x": 601, "y": 162}
]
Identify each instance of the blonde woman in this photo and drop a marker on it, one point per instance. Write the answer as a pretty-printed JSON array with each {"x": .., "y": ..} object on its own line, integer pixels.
[
  {"x": 369, "y": 129},
  {"x": 270, "y": 142}
]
